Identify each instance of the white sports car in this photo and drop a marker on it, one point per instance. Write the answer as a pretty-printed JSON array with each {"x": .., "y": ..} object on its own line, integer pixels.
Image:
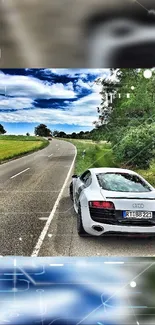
[{"x": 113, "y": 201}]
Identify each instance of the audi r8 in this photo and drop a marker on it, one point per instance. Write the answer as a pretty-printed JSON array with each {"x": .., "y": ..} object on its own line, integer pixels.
[{"x": 113, "y": 201}]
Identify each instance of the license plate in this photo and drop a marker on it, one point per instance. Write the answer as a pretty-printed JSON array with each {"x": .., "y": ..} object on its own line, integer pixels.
[{"x": 137, "y": 215}]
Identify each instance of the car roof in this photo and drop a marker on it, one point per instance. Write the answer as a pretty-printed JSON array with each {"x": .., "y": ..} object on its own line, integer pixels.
[{"x": 113, "y": 170}]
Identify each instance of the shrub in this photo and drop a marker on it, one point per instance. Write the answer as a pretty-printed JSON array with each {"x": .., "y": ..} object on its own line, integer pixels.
[{"x": 136, "y": 148}]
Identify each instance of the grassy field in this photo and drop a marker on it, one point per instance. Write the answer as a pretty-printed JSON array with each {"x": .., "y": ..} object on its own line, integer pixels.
[
  {"x": 20, "y": 138},
  {"x": 101, "y": 155},
  {"x": 97, "y": 155},
  {"x": 15, "y": 146}
]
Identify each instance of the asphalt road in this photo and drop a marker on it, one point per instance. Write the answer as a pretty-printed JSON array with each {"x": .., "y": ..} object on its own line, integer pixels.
[{"x": 29, "y": 187}]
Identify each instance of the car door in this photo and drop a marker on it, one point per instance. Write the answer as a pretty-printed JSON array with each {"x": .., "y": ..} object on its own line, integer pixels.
[{"x": 83, "y": 182}]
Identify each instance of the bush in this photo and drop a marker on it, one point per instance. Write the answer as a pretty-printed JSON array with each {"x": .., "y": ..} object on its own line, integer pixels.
[{"x": 137, "y": 147}]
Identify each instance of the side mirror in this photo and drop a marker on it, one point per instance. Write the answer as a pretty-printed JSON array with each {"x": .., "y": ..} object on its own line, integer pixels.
[{"x": 74, "y": 176}]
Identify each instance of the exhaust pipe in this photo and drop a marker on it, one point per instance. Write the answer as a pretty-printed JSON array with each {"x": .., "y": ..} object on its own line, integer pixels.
[{"x": 98, "y": 228}]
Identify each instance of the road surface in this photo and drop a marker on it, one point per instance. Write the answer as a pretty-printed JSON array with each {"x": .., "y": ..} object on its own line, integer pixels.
[
  {"x": 37, "y": 216},
  {"x": 29, "y": 187}
]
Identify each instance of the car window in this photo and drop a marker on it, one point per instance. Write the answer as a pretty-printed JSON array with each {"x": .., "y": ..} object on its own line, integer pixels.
[
  {"x": 86, "y": 178},
  {"x": 122, "y": 182}
]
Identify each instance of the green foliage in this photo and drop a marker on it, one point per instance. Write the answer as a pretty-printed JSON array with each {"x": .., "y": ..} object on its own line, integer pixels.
[
  {"x": 102, "y": 155},
  {"x": 2, "y": 130},
  {"x": 130, "y": 124},
  {"x": 136, "y": 148},
  {"x": 42, "y": 131}
]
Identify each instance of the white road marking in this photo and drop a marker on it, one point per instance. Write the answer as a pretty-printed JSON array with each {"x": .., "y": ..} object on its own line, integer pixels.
[
  {"x": 43, "y": 218},
  {"x": 50, "y": 155},
  {"x": 45, "y": 229},
  {"x": 23, "y": 171}
]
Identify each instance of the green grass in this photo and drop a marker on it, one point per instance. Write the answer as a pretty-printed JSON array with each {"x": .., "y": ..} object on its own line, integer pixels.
[
  {"x": 101, "y": 155},
  {"x": 15, "y": 146},
  {"x": 148, "y": 174},
  {"x": 20, "y": 137},
  {"x": 97, "y": 155}
]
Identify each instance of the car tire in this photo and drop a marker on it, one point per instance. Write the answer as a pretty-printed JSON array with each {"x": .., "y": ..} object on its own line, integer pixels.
[
  {"x": 71, "y": 191},
  {"x": 80, "y": 229}
]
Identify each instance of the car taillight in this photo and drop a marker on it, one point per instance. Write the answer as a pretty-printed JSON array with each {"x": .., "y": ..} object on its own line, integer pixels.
[{"x": 102, "y": 204}]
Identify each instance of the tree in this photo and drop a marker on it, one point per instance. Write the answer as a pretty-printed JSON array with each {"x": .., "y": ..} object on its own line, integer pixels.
[
  {"x": 74, "y": 135},
  {"x": 27, "y": 134},
  {"x": 55, "y": 133},
  {"x": 42, "y": 131},
  {"x": 80, "y": 135},
  {"x": 2, "y": 130},
  {"x": 126, "y": 102},
  {"x": 62, "y": 134},
  {"x": 127, "y": 115}
]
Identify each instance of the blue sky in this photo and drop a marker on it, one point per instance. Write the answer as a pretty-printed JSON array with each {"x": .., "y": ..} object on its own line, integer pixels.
[{"x": 63, "y": 99}]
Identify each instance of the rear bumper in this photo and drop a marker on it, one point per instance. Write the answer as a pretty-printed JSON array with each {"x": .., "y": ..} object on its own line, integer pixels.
[
  {"x": 109, "y": 229},
  {"x": 114, "y": 229}
]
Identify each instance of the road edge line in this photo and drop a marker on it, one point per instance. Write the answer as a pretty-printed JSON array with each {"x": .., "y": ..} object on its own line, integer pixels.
[{"x": 45, "y": 229}]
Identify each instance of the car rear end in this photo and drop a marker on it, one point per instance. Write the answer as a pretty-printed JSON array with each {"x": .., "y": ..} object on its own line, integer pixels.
[{"x": 123, "y": 213}]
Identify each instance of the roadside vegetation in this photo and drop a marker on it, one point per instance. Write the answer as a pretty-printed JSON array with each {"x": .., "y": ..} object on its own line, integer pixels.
[
  {"x": 12, "y": 146},
  {"x": 126, "y": 121},
  {"x": 100, "y": 154},
  {"x": 96, "y": 155}
]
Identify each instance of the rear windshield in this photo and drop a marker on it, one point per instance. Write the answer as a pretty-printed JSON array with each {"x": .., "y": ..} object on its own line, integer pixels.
[{"x": 122, "y": 182}]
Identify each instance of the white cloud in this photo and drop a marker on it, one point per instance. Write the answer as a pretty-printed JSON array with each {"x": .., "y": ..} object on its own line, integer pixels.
[
  {"x": 81, "y": 112},
  {"x": 15, "y": 103},
  {"x": 48, "y": 116},
  {"x": 73, "y": 72},
  {"x": 26, "y": 86},
  {"x": 81, "y": 84}
]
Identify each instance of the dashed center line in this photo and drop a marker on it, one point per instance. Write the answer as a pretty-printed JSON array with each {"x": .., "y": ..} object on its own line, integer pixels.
[{"x": 20, "y": 172}]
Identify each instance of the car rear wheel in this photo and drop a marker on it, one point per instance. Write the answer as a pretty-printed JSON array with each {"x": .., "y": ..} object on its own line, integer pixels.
[
  {"x": 71, "y": 191},
  {"x": 80, "y": 229}
]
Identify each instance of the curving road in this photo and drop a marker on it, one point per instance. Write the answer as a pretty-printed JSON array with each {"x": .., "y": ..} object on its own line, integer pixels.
[{"x": 29, "y": 188}]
